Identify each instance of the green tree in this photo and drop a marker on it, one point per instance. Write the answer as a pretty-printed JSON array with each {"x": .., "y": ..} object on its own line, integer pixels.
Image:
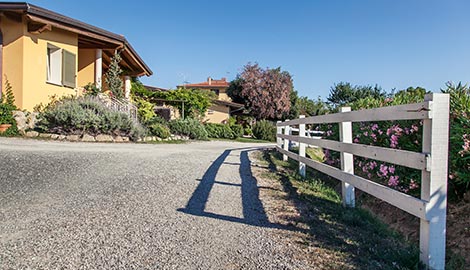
[
  {"x": 345, "y": 93},
  {"x": 235, "y": 89},
  {"x": 113, "y": 77}
]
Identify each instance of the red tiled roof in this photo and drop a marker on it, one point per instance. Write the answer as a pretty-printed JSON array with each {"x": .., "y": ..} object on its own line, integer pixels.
[{"x": 210, "y": 83}]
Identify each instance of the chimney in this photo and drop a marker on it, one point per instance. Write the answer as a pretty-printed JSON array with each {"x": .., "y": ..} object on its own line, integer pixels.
[
  {"x": 209, "y": 80},
  {"x": 224, "y": 79}
]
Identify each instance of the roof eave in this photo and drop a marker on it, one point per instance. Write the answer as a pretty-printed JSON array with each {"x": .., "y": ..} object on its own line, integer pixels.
[{"x": 49, "y": 15}]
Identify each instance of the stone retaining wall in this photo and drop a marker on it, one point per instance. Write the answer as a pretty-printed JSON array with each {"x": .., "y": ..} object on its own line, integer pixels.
[{"x": 98, "y": 138}]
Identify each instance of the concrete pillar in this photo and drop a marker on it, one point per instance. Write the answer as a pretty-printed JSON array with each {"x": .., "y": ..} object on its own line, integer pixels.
[
  {"x": 127, "y": 87},
  {"x": 98, "y": 67}
]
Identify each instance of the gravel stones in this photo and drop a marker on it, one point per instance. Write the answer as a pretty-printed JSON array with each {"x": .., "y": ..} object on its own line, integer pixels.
[{"x": 133, "y": 206}]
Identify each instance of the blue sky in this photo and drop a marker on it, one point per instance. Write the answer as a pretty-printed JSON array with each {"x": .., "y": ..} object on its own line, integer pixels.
[{"x": 394, "y": 44}]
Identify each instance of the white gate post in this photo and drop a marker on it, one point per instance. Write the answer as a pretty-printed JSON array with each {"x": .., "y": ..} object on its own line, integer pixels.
[
  {"x": 302, "y": 167},
  {"x": 279, "y": 131},
  {"x": 347, "y": 160},
  {"x": 432, "y": 236},
  {"x": 286, "y": 141}
]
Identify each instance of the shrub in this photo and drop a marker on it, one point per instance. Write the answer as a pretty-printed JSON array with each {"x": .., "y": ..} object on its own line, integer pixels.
[
  {"x": 6, "y": 117},
  {"x": 220, "y": 131},
  {"x": 247, "y": 131},
  {"x": 188, "y": 127},
  {"x": 83, "y": 115},
  {"x": 459, "y": 137},
  {"x": 407, "y": 135},
  {"x": 145, "y": 109},
  {"x": 237, "y": 130},
  {"x": 91, "y": 90},
  {"x": 159, "y": 130},
  {"x": 7, "y": 106},
  {"x": 264, "y": 130}
]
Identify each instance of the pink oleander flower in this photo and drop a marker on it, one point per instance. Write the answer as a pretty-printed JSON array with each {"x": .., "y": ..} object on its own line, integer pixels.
[
  {"x": 365, "y": 168},
  {"x": 366, "y": 133},
  {"x": 375, "y": 127},
  {"x": 329, "y": 133},
  {"x": 394, "y": 141},
  {"x": 391, "y": 169},
  {"x": 414, "y": 127},
  {"x": 373, "y": 136},
  {"x": 465, "y": 145},
  {"x": 413, "y": 185},
  {"x": 393, "y": 181},
  {"x": 383, "y": 170}
]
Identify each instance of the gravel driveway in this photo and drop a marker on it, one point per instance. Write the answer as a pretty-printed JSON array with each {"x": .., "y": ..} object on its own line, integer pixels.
[{"x": 128, "y": 206}]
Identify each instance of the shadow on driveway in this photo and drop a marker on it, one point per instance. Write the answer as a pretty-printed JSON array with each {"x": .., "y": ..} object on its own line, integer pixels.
[{"x": 253, "y": 211}]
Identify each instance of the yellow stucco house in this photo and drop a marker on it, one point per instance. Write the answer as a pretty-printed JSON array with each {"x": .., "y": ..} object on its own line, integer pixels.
[
  {"x": 43, "y": 53},
  {"x": 223, "y": 107}
]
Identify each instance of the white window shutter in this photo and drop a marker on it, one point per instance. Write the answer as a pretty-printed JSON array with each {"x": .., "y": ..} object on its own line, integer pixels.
[{"x": 68, "y": 69}]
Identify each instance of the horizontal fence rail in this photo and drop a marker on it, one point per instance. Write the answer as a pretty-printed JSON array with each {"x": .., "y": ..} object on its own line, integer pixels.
[
  {"x": 400, "y": 112},
  {"x": 432, "y": 162}
]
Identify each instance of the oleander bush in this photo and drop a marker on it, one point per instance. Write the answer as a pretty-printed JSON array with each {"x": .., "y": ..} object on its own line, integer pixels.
[
  {"x": 407, "y": 135},
  {"x": 264, "y": 130},
  {"x": 84, "y": 115},
  {"x": 459, "y": 137},
  {"x": 188, "y": 127}
]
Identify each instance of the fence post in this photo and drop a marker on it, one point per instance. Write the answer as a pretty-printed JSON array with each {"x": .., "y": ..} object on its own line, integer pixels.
[
  {"x": 302, "y": 167},
  {"x": 432, "y": 235},
  {"x": 286, "y": 141},
  {"x": 279, "y": 131},
  {"x": 347, "y": 161}
]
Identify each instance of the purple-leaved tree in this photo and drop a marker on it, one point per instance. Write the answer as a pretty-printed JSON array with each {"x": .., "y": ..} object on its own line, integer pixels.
[{"x": 266, "y": 91}]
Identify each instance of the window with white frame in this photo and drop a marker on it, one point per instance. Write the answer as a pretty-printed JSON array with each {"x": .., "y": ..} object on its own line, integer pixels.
[
  {"x": 61, "y": 66},
  {"x": 54, "y": 64}
]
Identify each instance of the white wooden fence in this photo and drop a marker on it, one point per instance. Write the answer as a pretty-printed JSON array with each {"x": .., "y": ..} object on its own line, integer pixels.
[{"x": 432, "y": 161}]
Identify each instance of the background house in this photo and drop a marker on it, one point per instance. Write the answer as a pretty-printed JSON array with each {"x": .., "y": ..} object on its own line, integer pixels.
[
  {"x": 223, "y": 107},
  {"x": 44, "y": 53}
]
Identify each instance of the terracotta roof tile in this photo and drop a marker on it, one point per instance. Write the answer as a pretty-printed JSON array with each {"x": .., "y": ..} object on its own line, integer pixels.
[{"x": 208, "y": 84}]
